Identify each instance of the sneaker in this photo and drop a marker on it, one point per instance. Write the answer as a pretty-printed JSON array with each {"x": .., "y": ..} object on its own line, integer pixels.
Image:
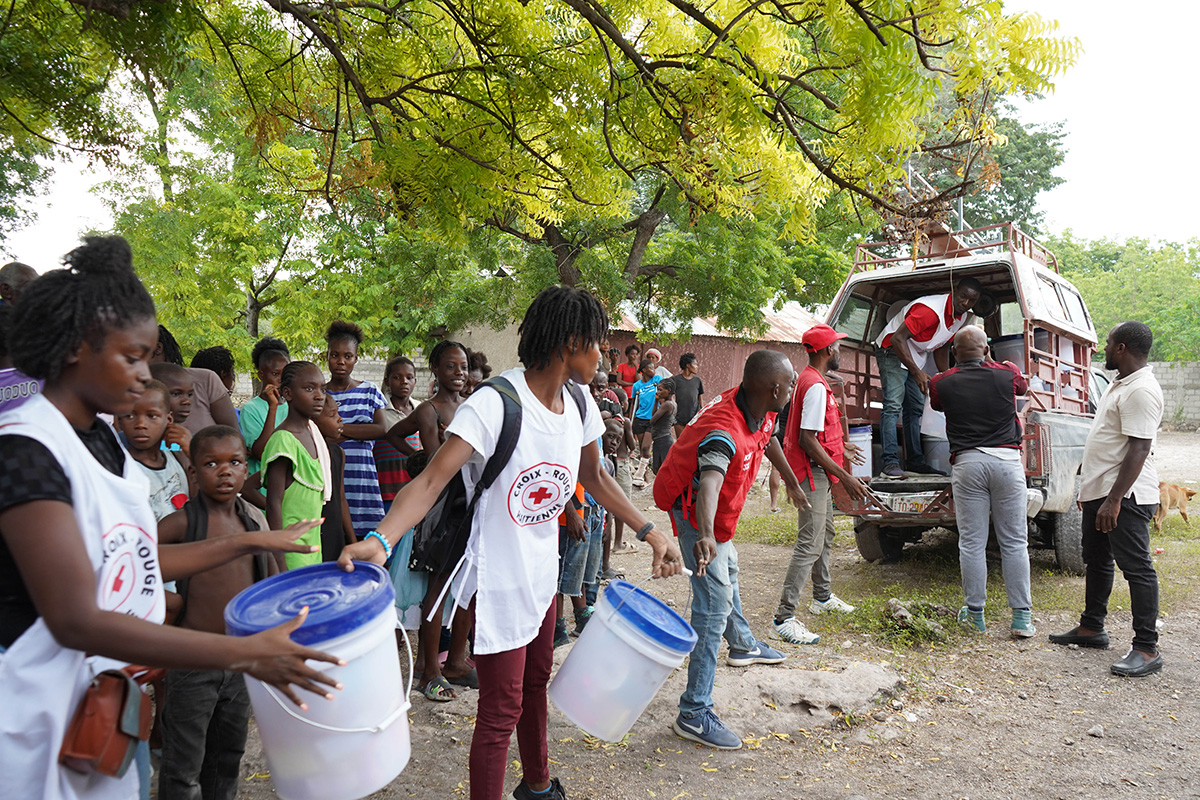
[
  {"x": 581, "y": 620},
  {"x": 523, "y": 792},
  {"x": 926, "y": 469},
  {"x": 1022, "y": 624},
  {"x": 833, "y": 603},
  {"x": 893, "y": 472},
  {"x": 706, "y": 728},
  {"x": 972, "y": 620},
  {"x": 761, "y": 654},
  {"x": 560, "y": 633},
  {"x": 792, "y": 631}
]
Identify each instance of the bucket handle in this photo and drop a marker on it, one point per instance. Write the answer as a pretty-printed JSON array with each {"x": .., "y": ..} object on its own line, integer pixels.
[
  {"x": 383, "y": 725},
  {"x": 687, "y": 573}
]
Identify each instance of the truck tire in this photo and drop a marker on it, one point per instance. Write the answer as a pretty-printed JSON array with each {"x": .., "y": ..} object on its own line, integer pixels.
[
  {"x": 1067, "y": 528},
  {"x": 877, "y": 543}
]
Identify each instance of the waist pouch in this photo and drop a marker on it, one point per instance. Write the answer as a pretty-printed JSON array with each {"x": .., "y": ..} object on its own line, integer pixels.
[{"x": 112, "y": 718}]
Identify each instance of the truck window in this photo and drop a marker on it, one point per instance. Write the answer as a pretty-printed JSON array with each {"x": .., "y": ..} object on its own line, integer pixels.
[
  {"x": 1053, "y": 302},
  {"x": 1075, "y": 307},
  {"x": 853, "y": 319},
  {"x": 1012, "y": 321}
]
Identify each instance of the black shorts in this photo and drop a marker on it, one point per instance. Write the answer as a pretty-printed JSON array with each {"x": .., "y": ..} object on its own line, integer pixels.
[{"x": 640, "y": 426}]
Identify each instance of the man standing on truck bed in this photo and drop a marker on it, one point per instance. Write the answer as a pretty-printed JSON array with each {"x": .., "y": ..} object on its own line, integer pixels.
[
  {"x": 814, "y": 447},
  {"x": 979, "y": 398},
  {"x": 1119, "y": 491},
  {"x": 924, "y": 326}
]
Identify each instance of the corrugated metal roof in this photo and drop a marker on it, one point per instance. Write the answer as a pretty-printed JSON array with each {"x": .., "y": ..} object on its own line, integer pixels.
[{"x": 787, "y": 324}]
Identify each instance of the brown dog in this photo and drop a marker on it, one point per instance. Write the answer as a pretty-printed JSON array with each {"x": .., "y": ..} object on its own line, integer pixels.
[{"x": 1171, "y": 496}]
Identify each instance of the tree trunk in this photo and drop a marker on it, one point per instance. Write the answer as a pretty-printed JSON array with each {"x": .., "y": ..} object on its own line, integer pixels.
[
  {"x": 253, "y": 310},
  {"x": 565, "y": 252}
]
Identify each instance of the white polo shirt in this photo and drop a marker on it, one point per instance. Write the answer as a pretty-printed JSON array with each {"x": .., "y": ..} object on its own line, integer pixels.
[{"x": 1132, "y": 408}]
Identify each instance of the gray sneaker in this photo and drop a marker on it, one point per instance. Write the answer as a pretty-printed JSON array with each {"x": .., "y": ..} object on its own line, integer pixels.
[
  {"x": 893, "y": 472},
  {"x": 706, "y": 728}
]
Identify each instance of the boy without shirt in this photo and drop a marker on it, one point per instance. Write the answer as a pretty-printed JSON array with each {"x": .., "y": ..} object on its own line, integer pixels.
[{"x": 209, "y": 709}]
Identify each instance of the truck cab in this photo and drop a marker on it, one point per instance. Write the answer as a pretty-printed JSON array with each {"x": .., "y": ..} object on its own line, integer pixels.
[{"x": 1041, "y": 324}]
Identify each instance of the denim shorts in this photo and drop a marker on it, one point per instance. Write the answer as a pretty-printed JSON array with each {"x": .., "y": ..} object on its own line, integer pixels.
[{"x": 579, "y": 561}]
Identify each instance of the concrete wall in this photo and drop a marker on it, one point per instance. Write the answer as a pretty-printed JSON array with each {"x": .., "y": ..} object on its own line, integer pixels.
[{"x": 1180, "y": 381}]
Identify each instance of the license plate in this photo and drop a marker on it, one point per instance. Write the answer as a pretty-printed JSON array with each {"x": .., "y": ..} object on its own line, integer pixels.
[{"x": 914, "y": 503}]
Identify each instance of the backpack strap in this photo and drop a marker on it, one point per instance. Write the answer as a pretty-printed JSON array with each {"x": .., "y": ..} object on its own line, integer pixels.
[
  {"x": 580, "y": 399},
  {"x": 510, "y": 432}
]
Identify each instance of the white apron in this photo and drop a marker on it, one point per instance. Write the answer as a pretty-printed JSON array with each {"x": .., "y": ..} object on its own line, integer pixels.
[
  {"x": 42, "y": 682},
  {"x": 921, "y": 350}
]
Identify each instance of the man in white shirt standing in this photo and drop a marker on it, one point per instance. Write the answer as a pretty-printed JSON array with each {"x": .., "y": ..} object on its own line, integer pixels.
[{"x": 1118, "y": 493}]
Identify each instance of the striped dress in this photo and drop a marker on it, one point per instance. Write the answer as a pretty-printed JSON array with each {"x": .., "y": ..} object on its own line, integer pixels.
[{"x": 357, "y": 406}]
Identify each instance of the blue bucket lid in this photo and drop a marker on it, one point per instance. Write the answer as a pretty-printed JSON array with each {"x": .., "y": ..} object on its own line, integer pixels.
[
  {"x": 339, "y": 602},
  {"x": 651, "y": 616}
]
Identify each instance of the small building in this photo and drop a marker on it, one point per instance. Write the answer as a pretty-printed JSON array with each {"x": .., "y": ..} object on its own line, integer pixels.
[{"x": 721, "y": 355}]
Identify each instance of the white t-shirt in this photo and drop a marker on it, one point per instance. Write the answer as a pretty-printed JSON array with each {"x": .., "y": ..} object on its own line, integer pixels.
[
  {"x": 511, "y": 563},
  {"x": 812, "y": 412}
]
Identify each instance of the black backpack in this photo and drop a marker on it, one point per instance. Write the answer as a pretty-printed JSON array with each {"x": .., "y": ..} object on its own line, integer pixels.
[{"x": 440, "y": 539}]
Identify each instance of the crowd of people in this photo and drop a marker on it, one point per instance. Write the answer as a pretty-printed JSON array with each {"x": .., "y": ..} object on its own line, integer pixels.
[{"x": 495, "y": 504}]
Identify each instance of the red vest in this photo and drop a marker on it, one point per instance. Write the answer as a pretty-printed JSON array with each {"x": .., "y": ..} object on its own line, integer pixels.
[
  {"x": 830, "y": 438},
  {"x": 677, "y": 478}
]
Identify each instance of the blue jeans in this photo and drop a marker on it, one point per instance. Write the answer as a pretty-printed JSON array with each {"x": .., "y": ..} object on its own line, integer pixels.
[
  {"x": 900, "y": 394},
  {"x": 716, "y": 612}
]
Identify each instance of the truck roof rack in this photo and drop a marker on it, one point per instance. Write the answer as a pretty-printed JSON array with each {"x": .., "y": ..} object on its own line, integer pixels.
[{"x": 943, "y": 243}]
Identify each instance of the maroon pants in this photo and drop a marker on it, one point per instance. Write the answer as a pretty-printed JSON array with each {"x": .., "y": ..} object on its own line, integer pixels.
[{"x": 512, "y": 695}]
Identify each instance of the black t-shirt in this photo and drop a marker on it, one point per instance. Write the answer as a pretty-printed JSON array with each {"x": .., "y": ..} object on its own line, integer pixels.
[
  {"x": 29, "y": 472},
  {"x": 687, "y": 397}
]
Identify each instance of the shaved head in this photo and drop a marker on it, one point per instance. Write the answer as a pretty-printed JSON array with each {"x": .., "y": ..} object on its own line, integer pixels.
[
  {"x": 14, "y": 277},
  {"x": 767, "y": 379},
  {"x": 970, "y": 344}
]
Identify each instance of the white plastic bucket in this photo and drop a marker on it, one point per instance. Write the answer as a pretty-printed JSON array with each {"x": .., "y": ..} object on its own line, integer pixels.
[
  {"x": 357, "y": 743},
  {"x": 632, "y": 642},
  {"x": 861, "y": 436}
]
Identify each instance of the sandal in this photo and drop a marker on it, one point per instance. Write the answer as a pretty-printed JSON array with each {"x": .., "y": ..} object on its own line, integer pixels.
[
  {"x": 627, "y": 548},
  {"x": 468, "y": 681},
  {"x": 612, "y": 574},
  {"x": 438, "y": 690}
]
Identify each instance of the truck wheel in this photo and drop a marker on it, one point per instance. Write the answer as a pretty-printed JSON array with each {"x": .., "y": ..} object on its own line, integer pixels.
[
  {"x": 876, "y": 543},
  {"x": 1067, "y": 528}
]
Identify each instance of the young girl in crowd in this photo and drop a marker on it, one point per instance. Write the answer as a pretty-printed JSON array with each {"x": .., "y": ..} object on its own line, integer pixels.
[
  {"x": 361, "y": 405},
  {"x": 296, "y": 459},
  {"x": 337, "y": 530},
  {"x": 80, "y": 570},
  {"x": 400, "y": 377},
  {"x": 260, "y": 415},
  {"x": 511, "y": 563},
  {"x": 449, "y": 362}
]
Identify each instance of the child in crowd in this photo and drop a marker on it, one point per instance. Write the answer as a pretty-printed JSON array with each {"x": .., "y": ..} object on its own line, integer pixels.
[
  {"x": 642, "y": 397},
  {"x": 296, "y": 459},
  {"x": 609, "y": 408},
  {"x": 400, "y": 378},
  {"x": 600, "y": 538},
  {"x": 450, "y": 364},
  {"x": 167, "y": 471},
  {"x": 260, "y": 415},
  {"x": 82, "y": 586},
  {"x": 207, "y": 711},
  {"x": 181, "y": 390},
  {"x": 211, "y": 404},
  {"x": 361, "y": 405},
  {"x": 572, "y": 557},
  {"x": 510, "y": 564},
  {"x": 662, "y": 424},
  {"x": 625, "y": 463},
  {"x": 627, "y": 373},
  {"x": 219, "y": 360},
  {"x": 337, "y": 528},
  {"x": 478, "y": 372},
  {"x": 689, "y": 391}
]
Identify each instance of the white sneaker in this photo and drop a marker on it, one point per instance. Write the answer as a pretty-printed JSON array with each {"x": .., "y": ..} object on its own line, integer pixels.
[
  {"x": 792, "y": 631},
  {"x": 834, "y": 603}
]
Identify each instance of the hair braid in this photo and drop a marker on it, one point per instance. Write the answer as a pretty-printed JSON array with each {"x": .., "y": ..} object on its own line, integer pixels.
[{"x": 96, "y": 291}]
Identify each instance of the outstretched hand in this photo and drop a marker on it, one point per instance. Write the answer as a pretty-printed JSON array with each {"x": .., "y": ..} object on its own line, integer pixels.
[
  {"x": 284, "y": 541},
  {"x": 274, "y": 658},
  {"x": 667, "y": 558}
]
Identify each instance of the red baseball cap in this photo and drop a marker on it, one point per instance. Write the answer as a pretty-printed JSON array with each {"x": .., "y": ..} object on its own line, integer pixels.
[{"x": 818, "y": 337}]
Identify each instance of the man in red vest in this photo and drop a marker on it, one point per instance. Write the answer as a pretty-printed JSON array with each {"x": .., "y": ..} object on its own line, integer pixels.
[
  {"x": 816, "y": 452},
  {"x": 703, "y": 485}
]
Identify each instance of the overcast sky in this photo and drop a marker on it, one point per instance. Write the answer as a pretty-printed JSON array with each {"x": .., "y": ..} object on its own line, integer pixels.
[{"x": 1130, "y": 108}]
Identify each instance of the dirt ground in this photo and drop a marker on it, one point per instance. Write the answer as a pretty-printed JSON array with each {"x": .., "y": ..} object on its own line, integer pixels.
[{"x": 979, "y": 717}]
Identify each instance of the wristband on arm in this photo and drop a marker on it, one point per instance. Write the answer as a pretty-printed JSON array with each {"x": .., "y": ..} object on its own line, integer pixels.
[{"x": 644, "y": 531}]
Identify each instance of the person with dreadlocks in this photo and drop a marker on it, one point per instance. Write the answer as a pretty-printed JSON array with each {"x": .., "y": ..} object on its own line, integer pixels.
[
  {"x": 511, "y": 563},
  {"x": 219, "y": 360},
  {"x": 211, "y": 404},
  {"x": 80, "y": 568}
]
